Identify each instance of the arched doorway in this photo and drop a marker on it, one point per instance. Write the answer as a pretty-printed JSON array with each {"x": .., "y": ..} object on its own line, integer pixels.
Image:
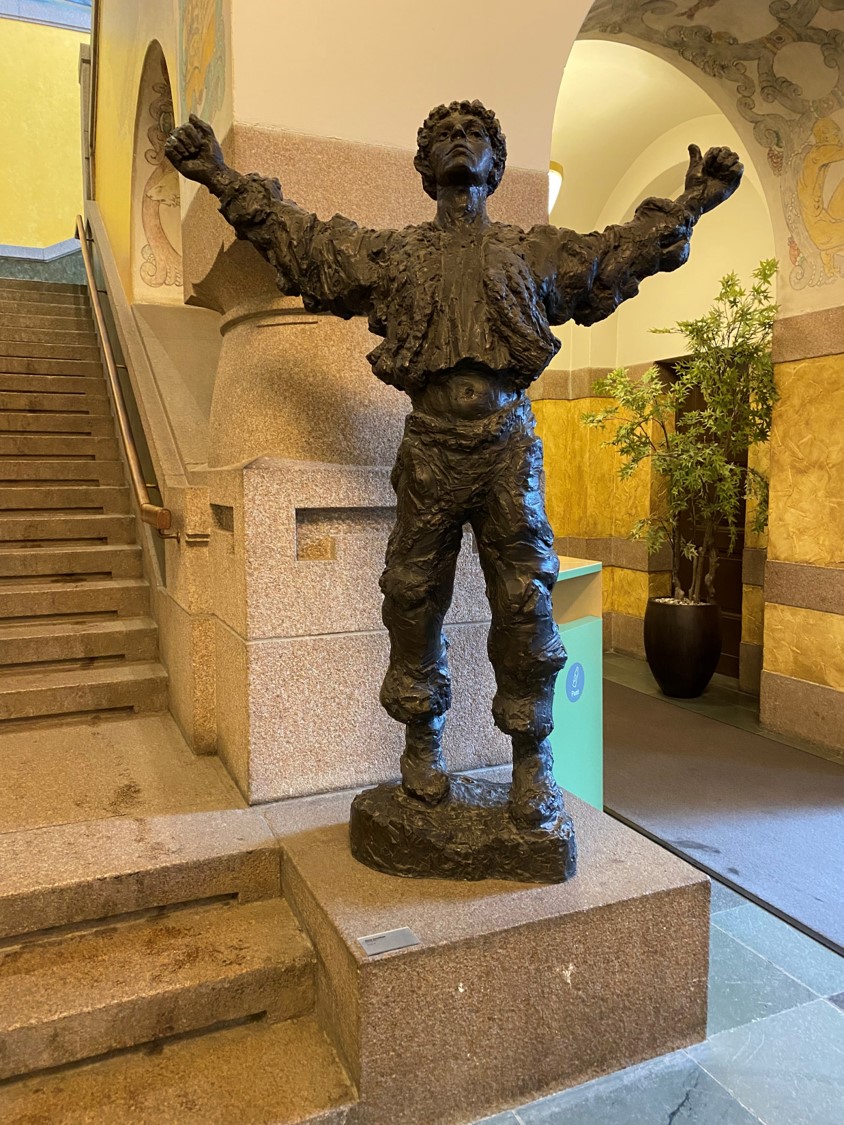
[
  {"x": 156, "y": 211},
  {"x": 625, "y": 117}
]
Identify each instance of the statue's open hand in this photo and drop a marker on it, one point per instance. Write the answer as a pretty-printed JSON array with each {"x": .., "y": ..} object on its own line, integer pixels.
[
  {"x": 713, "y": 177},
  {"x": 194, "y": 150}
]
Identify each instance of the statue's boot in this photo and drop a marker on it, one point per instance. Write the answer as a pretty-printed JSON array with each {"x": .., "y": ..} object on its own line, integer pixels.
[
  {"x": 423, "y": 771},
  {"x": 535, "y": 797}
]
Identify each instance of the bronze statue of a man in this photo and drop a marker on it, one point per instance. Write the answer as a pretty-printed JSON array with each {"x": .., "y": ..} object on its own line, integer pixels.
[{"x": 463, "y": 306}]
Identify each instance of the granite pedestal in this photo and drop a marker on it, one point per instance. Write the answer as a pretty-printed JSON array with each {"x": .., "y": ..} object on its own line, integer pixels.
[{"x": 514, "y": 990}]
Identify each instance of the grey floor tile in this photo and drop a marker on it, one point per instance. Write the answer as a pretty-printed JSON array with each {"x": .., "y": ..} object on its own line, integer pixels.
[
  {"x": 725, "y": 899},
  {"x": 743, "y": 986},
  {"x": 798, "y": 955},
  {"x": 669, "y": 1089},
  {"x": 787, "y": 1069}
]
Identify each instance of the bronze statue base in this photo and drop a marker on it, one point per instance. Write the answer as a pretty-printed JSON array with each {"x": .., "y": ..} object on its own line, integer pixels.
[{"x": 470, "y": 836}]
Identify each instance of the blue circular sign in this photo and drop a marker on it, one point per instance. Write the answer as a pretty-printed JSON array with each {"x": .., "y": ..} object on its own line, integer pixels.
[{"x": 574, "y": 682}]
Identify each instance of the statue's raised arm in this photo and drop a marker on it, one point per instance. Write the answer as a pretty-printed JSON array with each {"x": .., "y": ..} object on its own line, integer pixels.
[
  {"x": 587, "y": 276},
  {"x": 332, "y": 265}
]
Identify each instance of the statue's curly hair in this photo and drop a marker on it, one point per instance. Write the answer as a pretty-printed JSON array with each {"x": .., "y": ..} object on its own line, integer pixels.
[{"x": 424, "y": 139}]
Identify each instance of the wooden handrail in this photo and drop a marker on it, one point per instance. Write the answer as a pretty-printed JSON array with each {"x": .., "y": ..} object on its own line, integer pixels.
[{"x": 152, "y": 514}]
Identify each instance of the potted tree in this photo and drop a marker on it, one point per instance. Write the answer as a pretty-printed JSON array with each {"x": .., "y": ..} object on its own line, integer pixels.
[{"x": 700, "y": 464}]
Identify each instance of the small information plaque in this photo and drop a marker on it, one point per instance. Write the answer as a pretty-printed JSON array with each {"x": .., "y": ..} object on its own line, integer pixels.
[{"x": 390, "y": 940}]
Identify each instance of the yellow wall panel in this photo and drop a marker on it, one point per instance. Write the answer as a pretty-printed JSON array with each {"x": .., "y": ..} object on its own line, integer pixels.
[
  {"x": 807, "y": 464},
  {"x": 628, "y": 591},
  {"x": 584, "y": 495},
  {"x": 805, "y": 644},
  {"x": 40, "y": 130}
]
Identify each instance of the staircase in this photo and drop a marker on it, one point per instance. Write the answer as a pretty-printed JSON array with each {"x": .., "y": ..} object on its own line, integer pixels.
[
  {"x": 150, "y": 969},
  {"x": 76, "y": 637},
  {"x": 150, "y": 972}
]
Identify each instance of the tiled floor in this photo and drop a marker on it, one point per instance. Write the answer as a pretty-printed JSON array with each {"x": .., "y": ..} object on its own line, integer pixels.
[{"x": 775, "y": 1048}]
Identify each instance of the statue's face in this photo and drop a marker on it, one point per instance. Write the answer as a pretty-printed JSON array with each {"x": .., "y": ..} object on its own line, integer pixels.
[{"x": 461, "y": 152}]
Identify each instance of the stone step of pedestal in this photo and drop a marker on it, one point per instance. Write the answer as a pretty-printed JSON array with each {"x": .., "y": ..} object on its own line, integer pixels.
[
  {"x": 18, "y": 566},
  {"x": 77, "y": 640},
  {"x": 72, "y": 874},
  {"x": 16, "y": 529},
  {"x": 65, "y": 472},
  {"x": 111, "y": 687},
  {"x": 256, "y": 1074},
  {"x": 83, "y": 386},
  {"x": 73, "y": 997},
  {"x": 43, "y": 422},
  {"x": 59, "y": 500},
  {"x": 32, "y": 349},
  {"x": 46, "y": 447},
  {"x": 33, "y": 402},
  {"x": 17, "y": 365},
  {"x": 16, "y": 286},
  {"x": 120, "y": 597},
  {"x": 83, "y": 336}
]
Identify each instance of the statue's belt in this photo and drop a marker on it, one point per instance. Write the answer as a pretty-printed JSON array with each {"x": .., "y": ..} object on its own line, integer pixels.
[{"x": 469, "y": 434}]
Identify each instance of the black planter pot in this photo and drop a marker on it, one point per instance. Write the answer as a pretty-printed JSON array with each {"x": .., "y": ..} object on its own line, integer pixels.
[{"x": 682, "y": 645}]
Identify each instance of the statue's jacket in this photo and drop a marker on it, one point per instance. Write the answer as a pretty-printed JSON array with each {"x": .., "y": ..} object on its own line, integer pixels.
[{"x": 479, "y": 292}]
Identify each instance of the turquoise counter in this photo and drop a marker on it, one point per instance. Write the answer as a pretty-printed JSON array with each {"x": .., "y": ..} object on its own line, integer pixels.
[{"x": 577, "y": 738}]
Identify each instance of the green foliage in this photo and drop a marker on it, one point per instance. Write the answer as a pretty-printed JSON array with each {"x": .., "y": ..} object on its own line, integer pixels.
[{"x": 729, "y": 364}]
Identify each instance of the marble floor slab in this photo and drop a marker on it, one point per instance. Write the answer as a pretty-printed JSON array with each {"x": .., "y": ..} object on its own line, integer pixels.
[
  {"x": 793, "y": 952},
  {"x": 788, "y": 1069}
]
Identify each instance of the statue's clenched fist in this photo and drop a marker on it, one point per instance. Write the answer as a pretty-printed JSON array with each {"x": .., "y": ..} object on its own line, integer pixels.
[
  {"x": 714, "y": 177},
  {"x": 195, "y": 151}
]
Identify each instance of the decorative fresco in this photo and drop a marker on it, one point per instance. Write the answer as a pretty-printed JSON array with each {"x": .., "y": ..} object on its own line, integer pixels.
[
  {"x": 784, "y": 65},
  {"x": 160, "y": 217},
  {"x": 202, "y": 56}
]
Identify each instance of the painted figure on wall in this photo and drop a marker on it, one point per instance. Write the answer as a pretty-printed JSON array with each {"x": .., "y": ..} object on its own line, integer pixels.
[
  {"x": 823, "y": 212},
  {"x": 463, "y": 306}
]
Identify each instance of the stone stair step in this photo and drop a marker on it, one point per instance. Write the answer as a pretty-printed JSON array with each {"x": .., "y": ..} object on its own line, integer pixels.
[
  {"x": 120, "y": 561},
  {"x": 56, "y": 422},
  {"x": 22, "y": 285},
  {"x": 68, "y": 998},
  {"x": 83, "y": 335},
  {"x": 45, "y": 447},
  {"x": 56, "y": 499},
  {"x": 42, "y": 297},
  {"x": 19, "y": 365},
  {"x": 63, "y": 472},
  {"x": 68, "y": 317},
  {"x": 52, "y": 403},
  {"x": 30, "y": 349},
  {"x": 81, "y": 690},
  {"x": 83, "y": 386},
  {"x": 22, "y": 645},
  {"x": 124, "y": 597},
  {"x": 256, "y": 1074},
  {"x": 112, "y": 528},
  {"x": 67, "y": 874}
]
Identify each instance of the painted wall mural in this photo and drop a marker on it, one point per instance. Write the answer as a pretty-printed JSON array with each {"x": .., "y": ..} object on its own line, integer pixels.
[
  {"x": 202, "y": 54},
  {"x": 783, "y": 63},
  {"x": 161, "y": 261}
]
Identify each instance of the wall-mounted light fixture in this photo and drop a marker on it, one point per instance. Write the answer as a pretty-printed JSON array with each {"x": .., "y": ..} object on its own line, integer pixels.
[{"x": 555, "y": 182}]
